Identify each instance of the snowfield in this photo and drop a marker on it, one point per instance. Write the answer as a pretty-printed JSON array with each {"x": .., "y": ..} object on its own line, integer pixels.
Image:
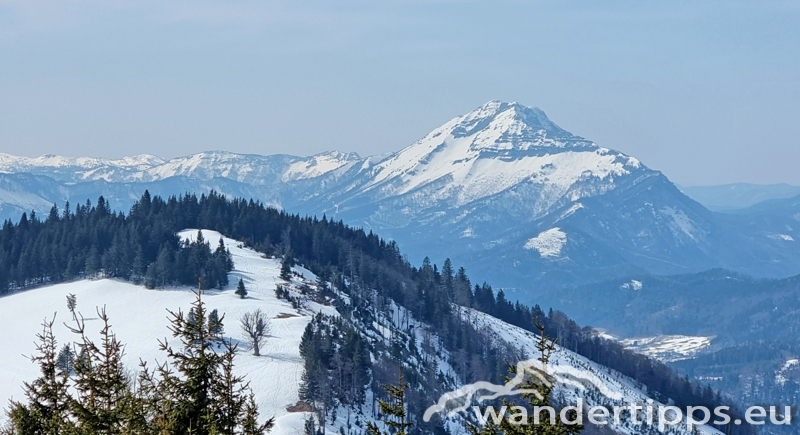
[
  {"x": 138, "y": 316},
  {"x": 668, "y": 347},
  {"x": 548, "y": 243}
]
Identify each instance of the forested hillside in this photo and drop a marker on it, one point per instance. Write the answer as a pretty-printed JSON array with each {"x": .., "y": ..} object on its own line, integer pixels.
[{"x": 143, "y": 245}]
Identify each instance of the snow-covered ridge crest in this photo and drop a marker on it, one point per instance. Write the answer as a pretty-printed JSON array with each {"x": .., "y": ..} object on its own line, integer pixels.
[
  {"x": 245, "y": 168},
  {"x": 11, "y": 163}
]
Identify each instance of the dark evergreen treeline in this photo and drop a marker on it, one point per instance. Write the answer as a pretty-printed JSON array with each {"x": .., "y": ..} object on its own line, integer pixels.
[
  {"x": 354, "y": 260},
  {"x": 92, "y": 241}
]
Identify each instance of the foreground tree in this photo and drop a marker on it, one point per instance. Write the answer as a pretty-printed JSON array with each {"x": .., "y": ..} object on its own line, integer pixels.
[
  {"x": 394, "y": 409},
  {"x": 48, "y": 398},
  {"x": 103, "y": 391},
  {"x": 195, "y": 392},
  {"x": 256, "y": 326}
]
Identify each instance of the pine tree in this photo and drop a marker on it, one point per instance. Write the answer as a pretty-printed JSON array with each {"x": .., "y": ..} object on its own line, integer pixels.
[
  {"x": 72, "y": 303},
  {"x": 249, "y": 422},
  {"x": 66, "y": 359},
  {"x": 190, "y": 408},
  {"x": 394, "y": 409},
  {"x": 215, "y": 326},
  {"x": 103, "y": 391},
  {"x": 230, "y": 393},
  {"x": 48, "y": 398},
  {"x": 240, "y": 290},
  {"x": 286, "y": 267}
]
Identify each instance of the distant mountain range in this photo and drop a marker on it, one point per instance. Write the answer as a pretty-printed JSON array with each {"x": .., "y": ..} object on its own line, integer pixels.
[
  {"x": 502, "y": 190},
  {"x": 732, "y": 197}
]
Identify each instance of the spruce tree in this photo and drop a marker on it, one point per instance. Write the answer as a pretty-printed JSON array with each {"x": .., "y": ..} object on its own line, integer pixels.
[
  {"x": 72, "y": 303},
  {"x": 394, "y": 409},
  {"x": 215, "y": 326},
  {"x": 198, "y": 392},
  {"x": 286, "y": 266},
  {"x": 195, "y": 364},
  {"x": 249, "y": 422},
  {"x": 103, "y": 391},
  {"x": 66, "y": 359},
  {"x": 48, "y": 398},
  {"x": 240, "y": 290},
  {"x": 230, "y": 393}
]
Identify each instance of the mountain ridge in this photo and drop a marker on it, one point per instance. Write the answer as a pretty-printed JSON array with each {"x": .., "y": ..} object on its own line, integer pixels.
[{"x": 478, "y": 188}]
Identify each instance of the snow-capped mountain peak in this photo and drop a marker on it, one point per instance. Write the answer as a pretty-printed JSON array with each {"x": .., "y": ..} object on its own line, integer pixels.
[
  {"x": 491, "y": 149},
  {"x": 501, "y": 126}
]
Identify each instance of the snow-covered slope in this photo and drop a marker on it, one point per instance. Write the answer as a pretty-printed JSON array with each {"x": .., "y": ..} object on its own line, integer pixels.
[
  {"x": 668, "y": 347},
  {"x": 139, "y": 318}
]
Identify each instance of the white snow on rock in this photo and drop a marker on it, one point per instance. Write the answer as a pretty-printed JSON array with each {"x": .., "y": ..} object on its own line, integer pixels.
[
  {"x": 139, "y": 318},
  {"x": 318, "y": 165},
  {"x": 680, "y": 223},
  {"x": 494, "y": 148},
  {"x": 780, "y": 377},
  {"x": 633, "y": 285},
  {"x": 785, "y": 237},
  {"x": 668, "y": 347},
  {"x": 548, "y": 243}
]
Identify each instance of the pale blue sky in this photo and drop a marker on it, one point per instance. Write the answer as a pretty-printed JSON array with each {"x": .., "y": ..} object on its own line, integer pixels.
[{"x": 706, "y": 91}]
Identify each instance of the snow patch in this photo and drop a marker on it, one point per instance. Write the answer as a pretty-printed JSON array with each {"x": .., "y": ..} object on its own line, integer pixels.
[
  {"x": 680, "y": 223},
  {"x": 785, "y": 237},
  {"x": 317, "y": 166},
  {"x": 780, "y": 377},
  {"x": 668, "y": 347},
  {"x": 633, "y": 285},
  {"x": 549, "y": 243}
]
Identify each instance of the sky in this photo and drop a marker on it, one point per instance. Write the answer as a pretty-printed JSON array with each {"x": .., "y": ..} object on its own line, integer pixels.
[{"x": 707, "y": 92}]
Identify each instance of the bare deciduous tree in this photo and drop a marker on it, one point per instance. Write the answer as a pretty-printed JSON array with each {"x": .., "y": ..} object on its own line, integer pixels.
[{"x": 256, "y": 326}]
